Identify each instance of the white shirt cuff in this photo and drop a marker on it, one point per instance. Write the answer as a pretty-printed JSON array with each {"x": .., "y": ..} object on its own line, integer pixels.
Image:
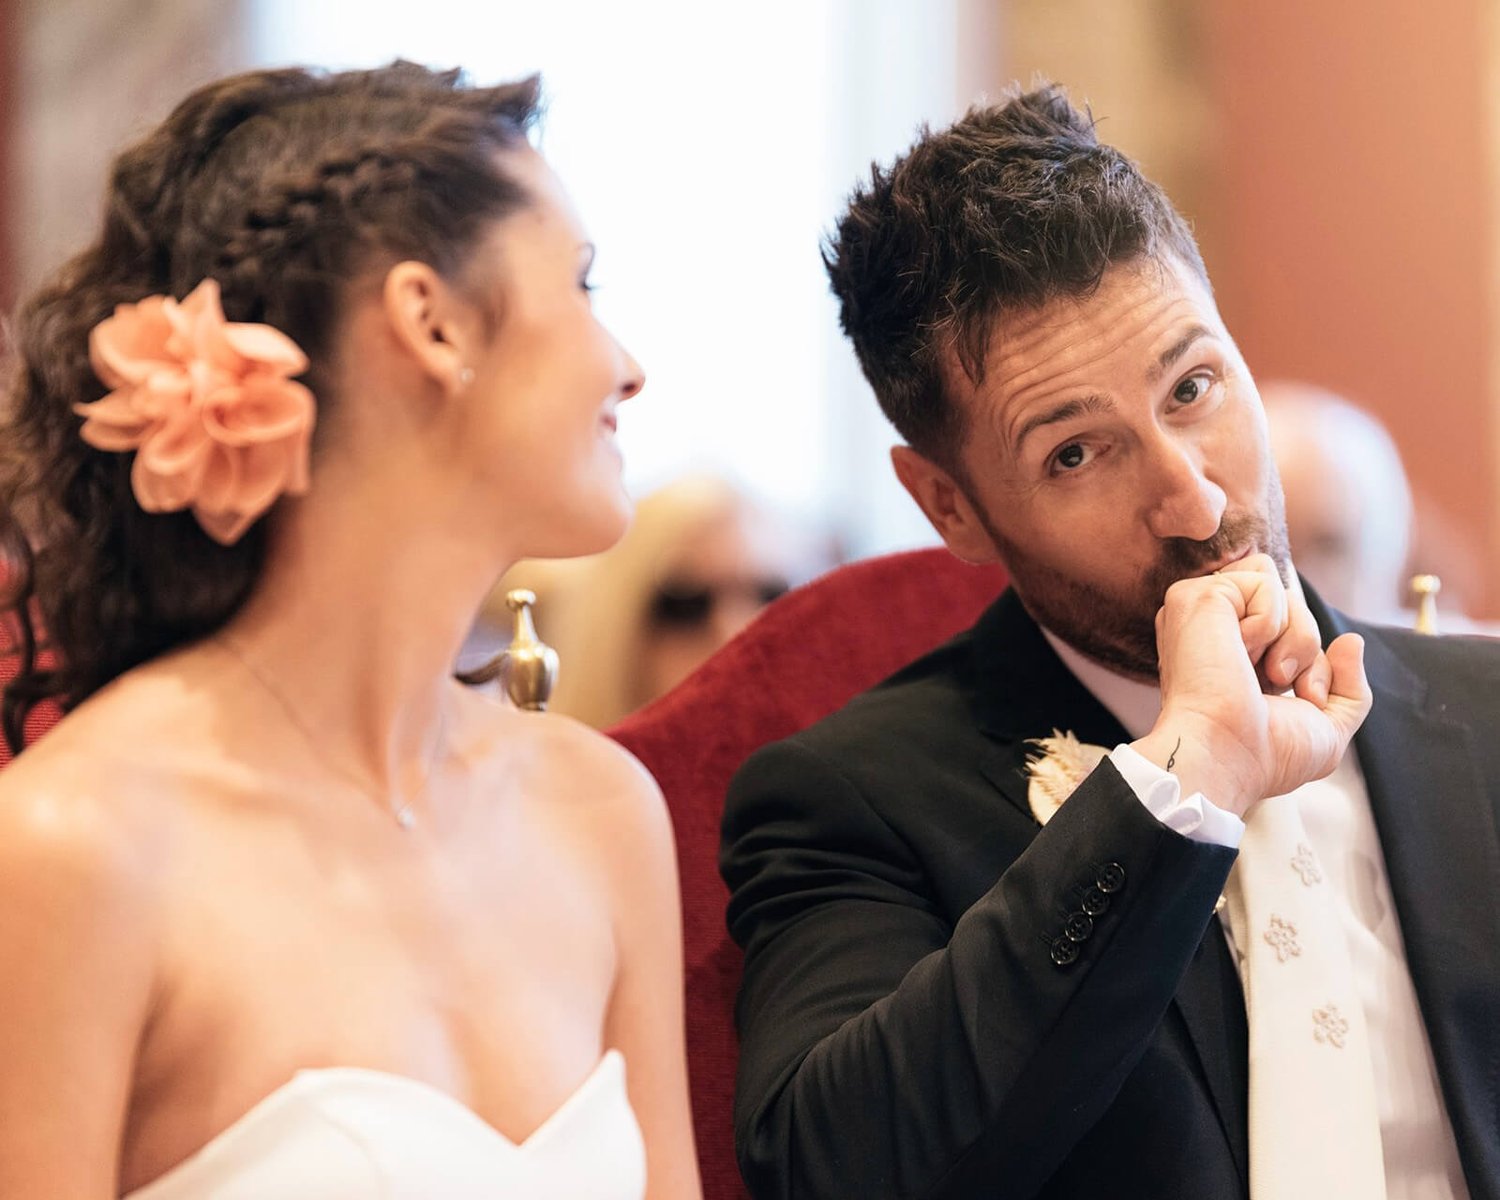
[{"x": 1161, "y": 792}]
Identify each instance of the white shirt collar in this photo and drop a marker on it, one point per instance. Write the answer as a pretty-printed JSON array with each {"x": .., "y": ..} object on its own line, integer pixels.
[{"x": 1134, "y": 704}]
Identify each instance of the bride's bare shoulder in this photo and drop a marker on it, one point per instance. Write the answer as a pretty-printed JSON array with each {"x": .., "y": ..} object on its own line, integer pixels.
[
  {"x": 608, "y": 806},
  {"x": 69, "y": 833},
  {"x": 572, "y": 764},
  {"x": 81, "y": 907},
  {"x": 105, "y": 761}
]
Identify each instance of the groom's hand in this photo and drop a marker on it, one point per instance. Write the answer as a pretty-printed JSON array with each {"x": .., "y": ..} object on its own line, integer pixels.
[{"x": 1228, "y": 643}]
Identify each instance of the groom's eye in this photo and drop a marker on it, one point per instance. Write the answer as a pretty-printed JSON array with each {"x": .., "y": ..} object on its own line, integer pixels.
[{"x": 1190, "y": 389}]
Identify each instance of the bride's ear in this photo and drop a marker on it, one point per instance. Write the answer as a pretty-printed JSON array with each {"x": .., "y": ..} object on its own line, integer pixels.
[{"x": 432, "y": 323}]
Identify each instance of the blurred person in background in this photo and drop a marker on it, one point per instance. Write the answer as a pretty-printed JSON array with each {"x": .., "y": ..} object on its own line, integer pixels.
[
  {"x": 1350, "y": 515},
  {"x": 699, "y": 562},
  {"x": 1348, "y": 503}
]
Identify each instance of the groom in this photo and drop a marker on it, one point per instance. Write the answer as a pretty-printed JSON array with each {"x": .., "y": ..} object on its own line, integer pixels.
[{"x": 943, "y": 997}]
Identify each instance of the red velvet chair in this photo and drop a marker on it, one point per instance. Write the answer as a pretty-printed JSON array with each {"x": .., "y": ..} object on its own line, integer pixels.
[
  {"x": 43, "y": 717},
  {"x": 804, "y": 657}
]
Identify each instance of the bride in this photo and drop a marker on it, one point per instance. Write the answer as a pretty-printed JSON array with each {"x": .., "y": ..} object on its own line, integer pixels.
[{"x": 284, "y": 910}]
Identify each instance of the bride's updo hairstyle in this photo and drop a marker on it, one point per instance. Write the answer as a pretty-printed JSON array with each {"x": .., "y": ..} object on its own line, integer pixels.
[{"x": 284, "y": 187}]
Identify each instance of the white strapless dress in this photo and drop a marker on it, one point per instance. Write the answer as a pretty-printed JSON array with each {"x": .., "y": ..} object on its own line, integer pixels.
[{"x": 345, "y": 1133}]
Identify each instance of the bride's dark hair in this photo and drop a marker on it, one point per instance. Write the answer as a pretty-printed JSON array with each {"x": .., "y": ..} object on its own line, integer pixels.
[{"x": 283, "y": 186}]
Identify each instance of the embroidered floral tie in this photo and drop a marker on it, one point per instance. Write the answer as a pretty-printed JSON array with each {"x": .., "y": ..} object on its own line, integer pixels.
[{"x": 1314, "y": 1126}]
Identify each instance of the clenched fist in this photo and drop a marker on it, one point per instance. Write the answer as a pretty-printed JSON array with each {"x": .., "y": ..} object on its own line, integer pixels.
[{"x": 1232, "y": 645}]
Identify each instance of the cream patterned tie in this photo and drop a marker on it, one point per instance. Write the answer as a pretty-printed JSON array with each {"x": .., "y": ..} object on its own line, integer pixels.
[{"x": 1314, "y": 1126}]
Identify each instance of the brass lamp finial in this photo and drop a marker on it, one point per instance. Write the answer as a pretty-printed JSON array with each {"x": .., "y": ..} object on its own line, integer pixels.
[
  {"x": 1426, "y": 589},
  {"x": 527, "y": 668}
]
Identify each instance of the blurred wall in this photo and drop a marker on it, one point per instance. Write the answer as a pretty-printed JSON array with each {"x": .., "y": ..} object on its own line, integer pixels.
[
  {"x": 1359, "y": 208},
  {"x": 89, "y": 76}
]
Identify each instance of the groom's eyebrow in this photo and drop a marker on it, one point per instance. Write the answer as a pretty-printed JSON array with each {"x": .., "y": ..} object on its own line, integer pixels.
[
  {"x": 1080, "y": 406},
  {"x": 1176, "y": 350}
]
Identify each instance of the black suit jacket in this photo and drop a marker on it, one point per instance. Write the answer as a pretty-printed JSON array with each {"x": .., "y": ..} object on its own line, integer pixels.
[{"x": 913, "y": 1022}]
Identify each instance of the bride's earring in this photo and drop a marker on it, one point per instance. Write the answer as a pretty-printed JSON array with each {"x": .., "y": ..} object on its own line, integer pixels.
[{"x": 466, "y": 377}]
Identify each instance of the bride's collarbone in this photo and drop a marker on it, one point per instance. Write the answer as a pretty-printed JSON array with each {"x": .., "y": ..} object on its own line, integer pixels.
[
  {"x": 499, "y": 1004},
  {"x": 273, "y": 932}
]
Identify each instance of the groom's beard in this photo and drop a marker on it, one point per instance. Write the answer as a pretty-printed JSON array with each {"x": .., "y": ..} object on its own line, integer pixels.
[{"x": 1118, "y": 629}]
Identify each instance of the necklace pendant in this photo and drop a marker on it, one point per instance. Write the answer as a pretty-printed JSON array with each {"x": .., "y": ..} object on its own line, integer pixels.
[{"x": 404, "y": 817}]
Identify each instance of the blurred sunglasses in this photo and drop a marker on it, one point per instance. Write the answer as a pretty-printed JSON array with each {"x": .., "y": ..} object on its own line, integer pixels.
[{"x": 681, "y": 604}]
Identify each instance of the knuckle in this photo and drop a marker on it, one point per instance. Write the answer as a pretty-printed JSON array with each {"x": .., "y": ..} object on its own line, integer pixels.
[
  {"x": 1301, "y": 614},
  {"x": 1180, "y": 592}
]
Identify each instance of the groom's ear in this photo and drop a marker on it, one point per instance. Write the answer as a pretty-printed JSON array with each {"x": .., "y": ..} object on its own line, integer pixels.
[{"x": 946, "y": 504}]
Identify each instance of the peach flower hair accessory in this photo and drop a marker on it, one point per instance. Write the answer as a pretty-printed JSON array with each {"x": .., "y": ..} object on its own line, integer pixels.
[{"x": 217, "y": 424}]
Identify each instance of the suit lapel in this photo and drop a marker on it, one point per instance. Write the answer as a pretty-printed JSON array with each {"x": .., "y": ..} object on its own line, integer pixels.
[
  {"x": 1022, "y": 690},
  {"x": 1443, "y": 866},
  {"x": 1212, "y": 1004}
]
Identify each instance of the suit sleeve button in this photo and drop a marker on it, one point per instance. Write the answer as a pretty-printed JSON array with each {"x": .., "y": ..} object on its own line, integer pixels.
[
  {"x": 1064, "y": 952},
  {"x": 1078, "y": 927},
  {"x": 1095, "y": 903},
  {"x": 1110, "y": 878}
]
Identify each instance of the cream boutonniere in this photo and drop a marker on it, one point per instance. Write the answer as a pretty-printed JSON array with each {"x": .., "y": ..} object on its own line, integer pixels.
[{"x": 1054, "y": 768}]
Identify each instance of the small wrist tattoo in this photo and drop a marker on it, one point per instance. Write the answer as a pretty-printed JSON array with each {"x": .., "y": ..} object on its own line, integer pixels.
[{"x": 1171, "y": 758}]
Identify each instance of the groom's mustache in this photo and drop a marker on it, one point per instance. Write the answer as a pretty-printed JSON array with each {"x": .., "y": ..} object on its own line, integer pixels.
[{"x": 1184, "y": 558}]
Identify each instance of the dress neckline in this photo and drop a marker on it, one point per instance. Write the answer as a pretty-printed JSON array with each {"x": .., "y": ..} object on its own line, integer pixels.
[
  {"x": 309, "y": 1081},
  {"x": 389, "y": 1079}
]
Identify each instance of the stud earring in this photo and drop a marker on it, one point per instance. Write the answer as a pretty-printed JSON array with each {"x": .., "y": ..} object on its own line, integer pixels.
[{"x": 466, "y": 377}]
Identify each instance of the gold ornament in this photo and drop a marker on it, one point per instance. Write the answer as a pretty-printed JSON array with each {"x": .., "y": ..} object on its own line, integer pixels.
[
  {"x": 1426, "y": 589},
  {"x": 527, "y": 668}
]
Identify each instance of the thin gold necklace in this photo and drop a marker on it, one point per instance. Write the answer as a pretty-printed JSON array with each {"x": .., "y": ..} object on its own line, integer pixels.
[{"x": 403, "y": 813}]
